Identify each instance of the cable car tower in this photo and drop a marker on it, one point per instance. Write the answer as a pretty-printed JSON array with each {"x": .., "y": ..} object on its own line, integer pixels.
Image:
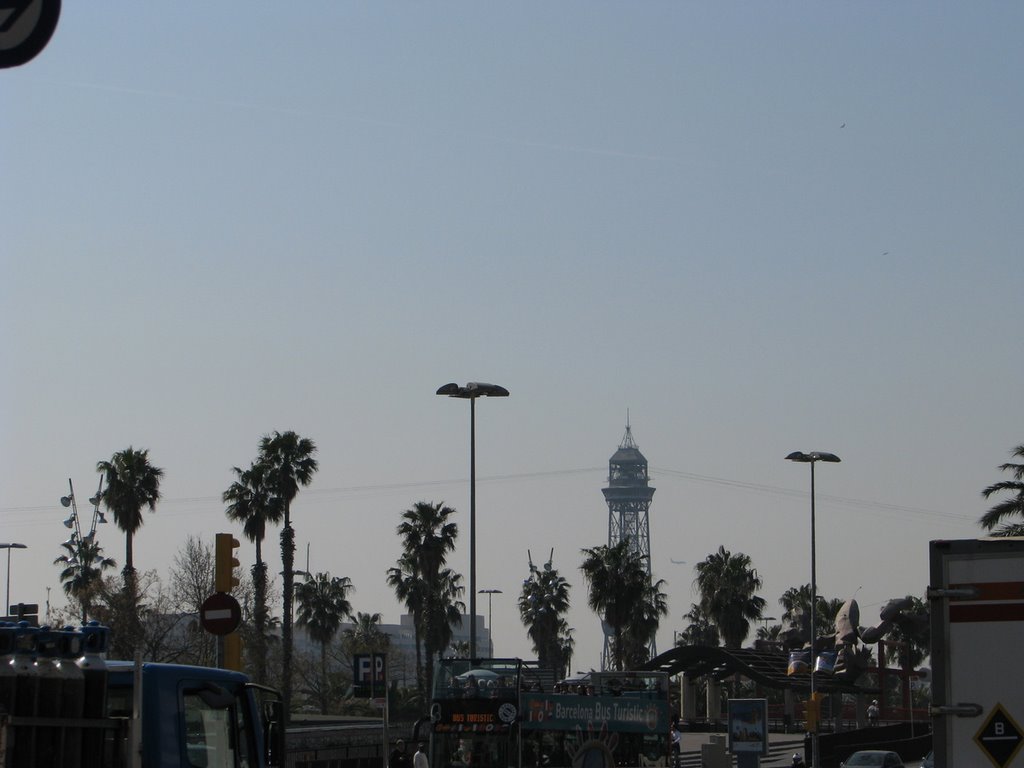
[{"x": 628, "y": 496}]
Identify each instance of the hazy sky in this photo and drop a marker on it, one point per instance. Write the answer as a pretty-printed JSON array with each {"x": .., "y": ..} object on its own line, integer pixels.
[{"x": 759, "y": 227}]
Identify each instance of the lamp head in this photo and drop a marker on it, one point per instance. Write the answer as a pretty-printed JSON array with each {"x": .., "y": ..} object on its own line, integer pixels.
[
  {"x": 70, "y": 522},
  {"x": 813, "y": 456},
  {"x": 65, "y": 500},
  {"x": 472, "y": 390}
]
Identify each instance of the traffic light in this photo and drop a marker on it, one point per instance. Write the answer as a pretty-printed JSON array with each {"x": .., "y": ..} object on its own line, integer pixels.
[{"x": 224, "y": 567}]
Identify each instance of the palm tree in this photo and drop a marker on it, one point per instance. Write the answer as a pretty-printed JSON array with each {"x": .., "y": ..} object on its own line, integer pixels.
[
  {"x": 1007, "y": 508},
  {"x": 728, "y": 584},
  {"x": 796, "y": 605},
  {"x": 701, "y": 630},
  {"x": 618, "y": 582},
  {"x": 132, "y": 483},
  {"x": 427, "y": 537},
  {"x": 647, "y": 615},
  {"x": 409, "y": 589},
  {"x": 365, "y": 636},
  {"x": 252, "y": 502},
  {"x": 448, "y": 609},
  {"x": 288, "y": 462},
  {"x": 909, "y": 641},
  {"x": 771, "y": 633},
  {"x": 566, "y": 646},
  {"x": 82, "y": 574},
  {"x": 543, "y": 602},
  {"x": 322, "y": 605}
]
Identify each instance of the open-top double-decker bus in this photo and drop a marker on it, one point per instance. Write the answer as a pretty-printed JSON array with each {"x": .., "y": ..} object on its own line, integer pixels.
[
  {"x": 503, "y": 713},
  {"x": 474, "y": 713}
]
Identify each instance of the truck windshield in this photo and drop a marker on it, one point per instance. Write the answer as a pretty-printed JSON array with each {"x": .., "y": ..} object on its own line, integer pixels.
[{"x": 215, "y": 736}]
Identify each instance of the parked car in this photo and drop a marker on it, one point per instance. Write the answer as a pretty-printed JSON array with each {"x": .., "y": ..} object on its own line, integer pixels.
[{"x": 873, "y": 758}]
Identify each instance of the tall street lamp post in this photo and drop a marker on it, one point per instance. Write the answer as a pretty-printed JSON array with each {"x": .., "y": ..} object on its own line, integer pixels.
[
  {"x": 490, "y": 621},
  {"x": 9, "y": 547},
  {"x": 812, "y": 458},
  {"x": 471, "y": 392}
]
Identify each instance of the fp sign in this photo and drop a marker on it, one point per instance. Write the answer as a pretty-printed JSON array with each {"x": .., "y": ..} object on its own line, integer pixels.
[
  {"x": 368, "y": 668},
  {"x": 26, "y": 26}
]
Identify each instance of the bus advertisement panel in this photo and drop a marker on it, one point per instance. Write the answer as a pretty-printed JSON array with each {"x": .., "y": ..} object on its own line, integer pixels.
[
  {"x": 601, "y": 725},
  {"x": 566, "y": 712}
]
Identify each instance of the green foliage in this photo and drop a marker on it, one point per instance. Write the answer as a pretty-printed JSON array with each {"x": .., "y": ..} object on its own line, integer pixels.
[
  {"x": 81, "y": 576},
  {"x": 728, "y": 586},
  {"x": 909, "y": 641},
  {"x": 999, "y": 519},
  {"x": 621, "y": 592},
  {"x": 252, "y": 502},
  {"x": 430, "y": 591},
  {"x": 322, "y": 605},
  {"x": 288, "y": 463},
  {"x": 543, "y": 603},
  {"x": 701, "y": 629},
  {"x": 132, "y": 483}
]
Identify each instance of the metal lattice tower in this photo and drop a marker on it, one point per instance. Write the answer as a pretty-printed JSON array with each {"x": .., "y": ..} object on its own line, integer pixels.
[{"x": 628, "y": 496}]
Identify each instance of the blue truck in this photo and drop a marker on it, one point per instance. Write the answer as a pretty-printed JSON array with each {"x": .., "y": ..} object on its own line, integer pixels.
[{"x": 62, "y": 704}]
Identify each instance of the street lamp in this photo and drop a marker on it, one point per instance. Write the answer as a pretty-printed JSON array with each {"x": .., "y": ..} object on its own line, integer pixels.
[
  {"x": 813, "y": 458},
  {"x": 471, "y": 392},
  {"x": 74, "y": 522},
  {"x": 9, "y": 547},
  {"x": 490, "y": 623}
]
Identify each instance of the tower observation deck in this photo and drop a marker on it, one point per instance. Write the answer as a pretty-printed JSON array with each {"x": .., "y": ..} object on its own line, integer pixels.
[{"x": 628, "y": 496}]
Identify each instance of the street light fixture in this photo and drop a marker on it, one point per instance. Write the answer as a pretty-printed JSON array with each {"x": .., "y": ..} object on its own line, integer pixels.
[
  {"x": 471, "y": 392},
  {"x": 490, "y": 623},
  {"x": 9, "y": 547},
  {"x": 813, "y": 458},
  {"x": 74, "y": 521}
]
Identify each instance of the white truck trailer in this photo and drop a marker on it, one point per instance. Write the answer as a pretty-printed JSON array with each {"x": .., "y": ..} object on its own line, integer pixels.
[{"x": 976, "y": 595}]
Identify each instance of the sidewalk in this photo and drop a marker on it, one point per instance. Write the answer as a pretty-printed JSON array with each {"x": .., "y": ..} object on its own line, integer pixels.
[{"x": 781, "y": 747}]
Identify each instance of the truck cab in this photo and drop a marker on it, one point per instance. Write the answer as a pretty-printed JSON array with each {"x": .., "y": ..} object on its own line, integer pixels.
[
  {"x": 63, "y": 704},
  {"x": 197, "y": 716}
]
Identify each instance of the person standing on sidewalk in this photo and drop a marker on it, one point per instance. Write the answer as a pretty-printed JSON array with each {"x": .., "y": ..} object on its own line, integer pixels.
[
  {"x": 676, "y": 739},
  {"x": 419, "y": 760}
]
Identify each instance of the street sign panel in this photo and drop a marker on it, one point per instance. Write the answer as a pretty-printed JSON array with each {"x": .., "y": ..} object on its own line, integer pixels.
[
  {"x": 1000, "y": 738},
  {"x": 220, "y": 614},
  {"x": 26, "y": 26}
]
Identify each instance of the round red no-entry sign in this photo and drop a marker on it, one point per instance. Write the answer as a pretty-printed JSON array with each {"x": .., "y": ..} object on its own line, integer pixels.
[{"x": 220, "y": 614}]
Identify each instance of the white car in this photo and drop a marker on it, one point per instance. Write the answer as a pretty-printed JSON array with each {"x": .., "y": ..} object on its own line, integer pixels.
[{"x": 873, "y": 758}]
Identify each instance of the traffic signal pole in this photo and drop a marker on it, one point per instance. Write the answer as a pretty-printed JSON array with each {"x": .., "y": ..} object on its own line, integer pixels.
[{"x": 229, "y": 646}]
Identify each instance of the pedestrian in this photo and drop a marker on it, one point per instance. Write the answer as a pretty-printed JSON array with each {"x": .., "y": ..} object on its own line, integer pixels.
[
  {"x": 399, "y": 758},
  {"x": 873, "y": 712},
  {"x": 677, "y": 739},
  {"x": 419, "y": 760}
]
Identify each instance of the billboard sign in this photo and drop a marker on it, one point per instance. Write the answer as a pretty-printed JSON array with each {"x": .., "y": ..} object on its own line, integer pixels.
[{"x": 748, "y": 726}]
